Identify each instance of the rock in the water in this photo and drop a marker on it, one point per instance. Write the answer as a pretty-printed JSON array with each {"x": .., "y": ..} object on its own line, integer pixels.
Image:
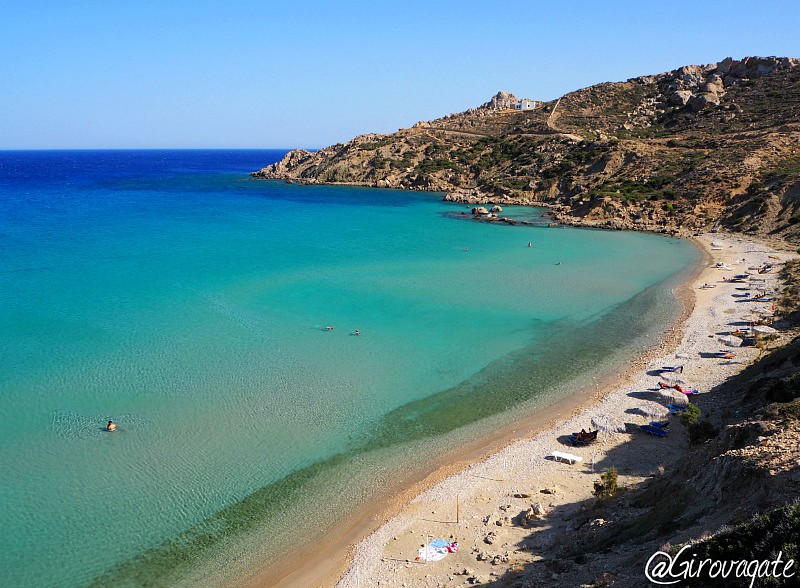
[
  {"x": 496, "y": 208},
  {"x": 480, "y": 210}
]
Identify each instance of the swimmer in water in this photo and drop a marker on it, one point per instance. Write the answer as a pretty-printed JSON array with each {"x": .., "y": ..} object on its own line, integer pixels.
[
  {"x": 328, "y": 328},
  {"x": 530, "y": 244},
  {"x": 111, "y": 426},
  {"x": 357, "y": 332}
]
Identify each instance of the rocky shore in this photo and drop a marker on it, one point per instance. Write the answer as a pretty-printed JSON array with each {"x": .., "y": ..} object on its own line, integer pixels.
[{"x": 695, "y": 148}]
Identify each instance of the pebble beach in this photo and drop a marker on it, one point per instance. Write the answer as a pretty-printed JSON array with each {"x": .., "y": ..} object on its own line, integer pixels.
[{"x": 479, "y": 507}]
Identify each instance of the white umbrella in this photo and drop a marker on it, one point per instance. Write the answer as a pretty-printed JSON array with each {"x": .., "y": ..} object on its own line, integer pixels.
[
  {"x": 654, "y": 412},
  {"x": 764, "y": 330},
  {"x": 730, "y": 341},
  {"x": 607, "y": 424},
  {"x": 673, "y": 379},
  {"x": 675, "y": 397}
]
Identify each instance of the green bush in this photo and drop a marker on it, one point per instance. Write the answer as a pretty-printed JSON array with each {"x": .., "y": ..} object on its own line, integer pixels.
[
  {"x": 691, "y": 415},
  {"x": 608, "y": 485},
  {"x": 759, "y": 539}
]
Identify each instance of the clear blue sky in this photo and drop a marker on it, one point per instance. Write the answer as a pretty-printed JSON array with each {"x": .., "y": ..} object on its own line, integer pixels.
[{"x": 238, "y": 73}]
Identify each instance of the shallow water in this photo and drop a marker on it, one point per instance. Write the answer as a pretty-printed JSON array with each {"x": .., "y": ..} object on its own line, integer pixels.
[{"x": 170, "y": 292}]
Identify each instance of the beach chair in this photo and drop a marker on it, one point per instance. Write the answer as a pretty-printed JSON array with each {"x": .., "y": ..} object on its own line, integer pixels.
[
  {"x": 655, "y": 431},
  {"x": 568, "y": 457},
  {"x": 581, "y": 439},
  {"x": 675, "y": 408},
  {"x": 660, "y": 425}
]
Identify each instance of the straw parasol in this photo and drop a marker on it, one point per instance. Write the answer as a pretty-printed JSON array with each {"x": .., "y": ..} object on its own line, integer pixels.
[
  {"x": 654, "y": 412},
  {"x": 765, "y": 330},
  {"x": 674, "y": 397},
  {"x": 730, "y": 341},
  {"x": 607, "y": 424},
  {"x": 673, "y": 379}
]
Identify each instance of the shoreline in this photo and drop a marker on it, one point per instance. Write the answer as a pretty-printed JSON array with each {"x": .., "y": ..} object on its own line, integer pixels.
[
  {"x": 386, "y": 556},
  {"x": 333, "y": 555}
]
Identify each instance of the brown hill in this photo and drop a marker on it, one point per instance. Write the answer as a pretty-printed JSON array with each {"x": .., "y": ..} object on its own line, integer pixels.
[{"x": 689, "y": 149}]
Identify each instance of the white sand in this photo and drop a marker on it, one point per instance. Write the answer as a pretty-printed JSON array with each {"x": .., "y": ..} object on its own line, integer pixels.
[{"x": 386, "y": 558}]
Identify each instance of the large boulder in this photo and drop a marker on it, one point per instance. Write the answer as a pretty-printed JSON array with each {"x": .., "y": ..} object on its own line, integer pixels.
[
  {"x": 680, "y": 98},
  {"x": 704, "y": 101},
  {"x": 500, "y": 101},
  {"x": 480, "y": 210}
]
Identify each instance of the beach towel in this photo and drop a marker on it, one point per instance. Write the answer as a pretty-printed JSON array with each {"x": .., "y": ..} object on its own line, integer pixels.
[
  {"x": 436, "y": 550},
  {"x": 431, "y": 553}
]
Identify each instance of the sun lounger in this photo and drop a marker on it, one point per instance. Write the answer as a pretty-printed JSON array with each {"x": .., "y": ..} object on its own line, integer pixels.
[
  {"x": 659, "y": 425},
  {"x": 568, "y": 457},
  {"x": 675, "y": 408},
  {"x": 655, "y": 431},
  {"x": 583, "y": 438}
]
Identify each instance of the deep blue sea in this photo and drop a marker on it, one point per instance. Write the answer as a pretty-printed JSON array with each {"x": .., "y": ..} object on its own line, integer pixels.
[{"x": 172, "y": 293}]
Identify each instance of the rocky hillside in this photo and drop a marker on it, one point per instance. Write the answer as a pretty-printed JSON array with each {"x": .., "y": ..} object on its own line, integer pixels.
[{"x": 693, "y": 148}]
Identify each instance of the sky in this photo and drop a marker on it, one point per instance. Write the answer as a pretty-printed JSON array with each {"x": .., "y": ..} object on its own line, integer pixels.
[{"x": 114, "y": 74}]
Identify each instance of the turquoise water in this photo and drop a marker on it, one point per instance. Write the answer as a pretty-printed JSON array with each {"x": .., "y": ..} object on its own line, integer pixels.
[{"x": 171, "y": 293}]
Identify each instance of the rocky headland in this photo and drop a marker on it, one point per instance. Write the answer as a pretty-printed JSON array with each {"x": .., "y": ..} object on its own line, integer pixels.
[{"x": 699, "y": 147}]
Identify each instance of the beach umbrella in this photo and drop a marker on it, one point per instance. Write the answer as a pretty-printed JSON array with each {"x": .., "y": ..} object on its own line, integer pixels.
[
  {"x": 654, "y": 412},
  {"x": 730, "y": 341},
  {"x": 674, "y": 397},
  {"x": 607, "y": 424},
  {"x": 673, "y": 379},
  {"x": 764, "y": 330}
]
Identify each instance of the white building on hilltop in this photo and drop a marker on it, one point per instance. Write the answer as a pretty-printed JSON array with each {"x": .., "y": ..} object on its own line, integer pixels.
[{"x": 525, "y": 104}]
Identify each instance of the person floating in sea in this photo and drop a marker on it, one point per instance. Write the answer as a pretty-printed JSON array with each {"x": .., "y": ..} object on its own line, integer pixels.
[
  {"x": 111, "y": 426},
  {"x": 328, "y": 328},
  {"x": 530, "y": 244},
  {"x": 357, "y": 332}
]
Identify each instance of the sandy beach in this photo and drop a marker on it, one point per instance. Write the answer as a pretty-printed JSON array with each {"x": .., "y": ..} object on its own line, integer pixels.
[{"x": 487, "y": 495}]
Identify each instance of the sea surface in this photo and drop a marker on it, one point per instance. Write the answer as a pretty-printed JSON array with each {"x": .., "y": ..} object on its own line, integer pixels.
[{"x": 172, "y": 293}]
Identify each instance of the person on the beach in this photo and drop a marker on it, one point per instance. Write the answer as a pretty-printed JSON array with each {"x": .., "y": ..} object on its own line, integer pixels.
[{"x": 111, "y": 426}]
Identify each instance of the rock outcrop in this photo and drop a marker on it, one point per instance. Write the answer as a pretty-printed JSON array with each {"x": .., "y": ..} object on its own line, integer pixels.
[{"x": 689, "y": 149}]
